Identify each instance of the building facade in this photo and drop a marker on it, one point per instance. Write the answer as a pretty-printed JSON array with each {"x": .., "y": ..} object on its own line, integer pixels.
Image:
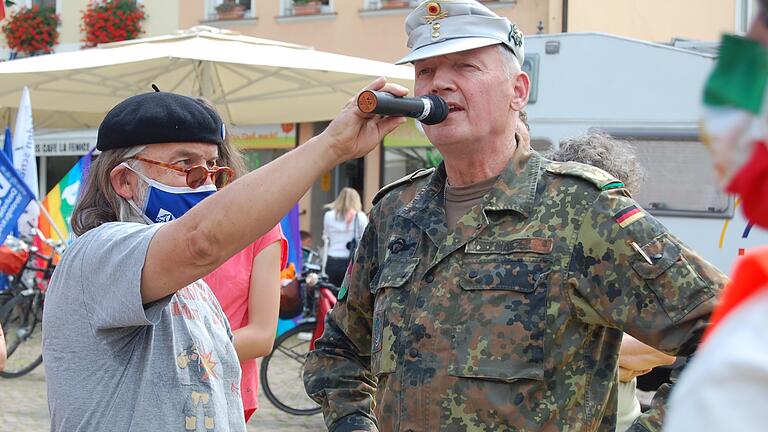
[{"x": 374, "y": 29}]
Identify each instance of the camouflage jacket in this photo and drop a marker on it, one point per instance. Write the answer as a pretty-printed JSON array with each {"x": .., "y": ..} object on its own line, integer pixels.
[{"x": 512, "y": 320}]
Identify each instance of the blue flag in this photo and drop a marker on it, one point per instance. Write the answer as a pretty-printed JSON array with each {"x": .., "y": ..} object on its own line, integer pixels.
[
  {"x": 14, "y": 197},
  {"x": 8, "y": 150},
  {"x": 8, "y": 145}
]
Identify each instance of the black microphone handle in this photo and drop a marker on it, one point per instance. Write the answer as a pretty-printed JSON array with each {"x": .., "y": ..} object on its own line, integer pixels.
[
  {"x": 429, "y": 109},
  {"x": 388, "y": 104}
]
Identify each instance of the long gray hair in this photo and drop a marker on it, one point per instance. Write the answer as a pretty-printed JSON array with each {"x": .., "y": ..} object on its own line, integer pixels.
[
  {"x": 601, "y": 150},
  {"x": 99, "y": 203}
]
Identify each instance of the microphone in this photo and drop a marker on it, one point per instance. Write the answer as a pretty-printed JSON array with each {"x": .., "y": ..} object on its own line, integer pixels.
[{"x": 430, "y": 109}]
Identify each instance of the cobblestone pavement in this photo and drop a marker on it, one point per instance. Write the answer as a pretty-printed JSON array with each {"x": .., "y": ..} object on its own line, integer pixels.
[{"x": 23, "y": 408}]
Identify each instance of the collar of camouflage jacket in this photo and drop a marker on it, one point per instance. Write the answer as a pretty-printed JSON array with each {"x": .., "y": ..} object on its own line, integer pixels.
[{"x": 514, "y": 190}]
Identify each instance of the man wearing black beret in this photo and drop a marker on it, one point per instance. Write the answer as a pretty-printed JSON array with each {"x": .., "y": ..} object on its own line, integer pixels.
[{"x": 134, "y": 339}]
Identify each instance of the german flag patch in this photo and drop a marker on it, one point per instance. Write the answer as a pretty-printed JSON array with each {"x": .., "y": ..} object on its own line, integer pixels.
[{"x": 629, "y": 215}]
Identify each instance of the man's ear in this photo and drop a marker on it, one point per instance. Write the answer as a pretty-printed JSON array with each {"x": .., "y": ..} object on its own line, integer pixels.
[
  {"x": 123, "y": 181},
  {"x": 522, "y": 86}
]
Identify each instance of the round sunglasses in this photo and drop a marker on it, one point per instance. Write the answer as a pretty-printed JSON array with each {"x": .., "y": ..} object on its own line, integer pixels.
[{"x": 198, "y": 174}]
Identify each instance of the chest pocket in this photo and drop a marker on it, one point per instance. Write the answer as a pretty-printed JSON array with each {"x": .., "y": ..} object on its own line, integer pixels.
[
  {"x": 677, "y": 285},
  {"x": 504, "y": 302},
  {"x": 388, "y": 320}
]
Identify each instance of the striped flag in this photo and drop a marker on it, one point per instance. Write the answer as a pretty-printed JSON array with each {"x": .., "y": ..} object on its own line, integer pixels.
[
  {"x": 290, "y": 227},
  {"x": 735, "y": 122},
  {"x": 60, "y": 201}
]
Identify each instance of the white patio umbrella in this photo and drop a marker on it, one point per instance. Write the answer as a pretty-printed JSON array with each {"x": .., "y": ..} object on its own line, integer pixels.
[{"x": 250, "y": 80}]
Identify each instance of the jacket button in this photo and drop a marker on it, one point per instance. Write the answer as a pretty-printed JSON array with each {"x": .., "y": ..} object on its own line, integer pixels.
[
  {"x": 473, "y": 274},
  {"x": 413, "y": 352},
  {"x": 430, "y": 277}
]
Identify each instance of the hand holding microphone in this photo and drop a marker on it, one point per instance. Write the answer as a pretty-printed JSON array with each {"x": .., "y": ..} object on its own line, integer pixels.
[{"x": 430, "y": 109}]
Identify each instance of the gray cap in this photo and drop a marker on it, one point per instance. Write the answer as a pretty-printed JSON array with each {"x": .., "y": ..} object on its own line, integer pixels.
[{"x": 442, "y": 27}]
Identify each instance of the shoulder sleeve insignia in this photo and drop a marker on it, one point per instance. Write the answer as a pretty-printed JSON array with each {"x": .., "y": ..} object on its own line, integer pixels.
[
  {"x": 403, "y": 181},
  {"x": 628, "y": 216}
]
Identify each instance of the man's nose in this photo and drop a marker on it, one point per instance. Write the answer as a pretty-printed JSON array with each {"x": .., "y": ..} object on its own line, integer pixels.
[{"x": 442, "y": 81}]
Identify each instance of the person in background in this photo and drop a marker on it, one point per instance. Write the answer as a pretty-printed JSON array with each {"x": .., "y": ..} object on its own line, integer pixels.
[
  {"x": 343, "y": 225},
  {"x": 248, "y": 288},
  {"x": 618, "y": 159},
  {"x": 308, "y": 252},
  {"x": 725, "y": 387},
  {"x": 306, "y": 239}
]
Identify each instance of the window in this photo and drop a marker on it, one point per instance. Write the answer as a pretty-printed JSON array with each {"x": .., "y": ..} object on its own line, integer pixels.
[
  {"x": 43, "y": 4},
  {"x": 306, "y": 7},
  {"x": 391, "y": 4},
  {"x": 238, "y": 9},
  {"x": 679, "y": 178},
  {"x": 745, "y": 12},
  {"x": 531, "y": 67},
  {"x": 401, "y": 161}
]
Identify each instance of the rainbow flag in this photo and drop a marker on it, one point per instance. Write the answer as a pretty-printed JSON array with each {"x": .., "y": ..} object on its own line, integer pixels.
[
  {"x": 290, "y": 226},
  {"x": 60, "y": 201}
]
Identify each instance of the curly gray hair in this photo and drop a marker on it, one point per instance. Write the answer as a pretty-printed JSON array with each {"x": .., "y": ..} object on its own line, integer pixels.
[{"x": 601, "y": 150}]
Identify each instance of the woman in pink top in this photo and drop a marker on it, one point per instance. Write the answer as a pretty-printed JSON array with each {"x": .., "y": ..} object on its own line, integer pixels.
[{"x": 248, "y": 289}]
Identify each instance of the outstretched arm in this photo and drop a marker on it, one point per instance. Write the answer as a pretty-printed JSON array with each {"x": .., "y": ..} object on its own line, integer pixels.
[{"x": 192, "y": 246}]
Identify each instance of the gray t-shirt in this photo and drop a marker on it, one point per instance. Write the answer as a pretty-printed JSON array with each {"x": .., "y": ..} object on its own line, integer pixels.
[{"x": 114, "y": 364}]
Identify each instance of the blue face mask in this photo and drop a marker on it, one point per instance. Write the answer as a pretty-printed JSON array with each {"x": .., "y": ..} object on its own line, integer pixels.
[{"x": 165, "y": 203}]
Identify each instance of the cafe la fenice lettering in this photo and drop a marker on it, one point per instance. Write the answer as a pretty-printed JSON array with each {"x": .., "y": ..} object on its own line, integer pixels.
[{"x": 62, "y": 148}]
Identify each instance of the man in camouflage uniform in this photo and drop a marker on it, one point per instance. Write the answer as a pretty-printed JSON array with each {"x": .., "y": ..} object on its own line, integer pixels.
[{"x": 507, "y": 316}]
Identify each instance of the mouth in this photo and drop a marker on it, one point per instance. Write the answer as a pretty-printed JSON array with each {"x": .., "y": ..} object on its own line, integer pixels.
[{"x": 454, "y": 107}]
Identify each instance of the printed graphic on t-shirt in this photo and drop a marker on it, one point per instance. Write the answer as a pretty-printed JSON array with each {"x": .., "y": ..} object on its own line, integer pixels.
[
  {"x": 197, "y": 361},
  {"x": 198, "y": 407},
  {"x": 188, "y": 301}
]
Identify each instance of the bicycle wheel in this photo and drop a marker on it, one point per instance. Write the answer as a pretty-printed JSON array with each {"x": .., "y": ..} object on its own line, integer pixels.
[
  {"x": 282, "y": 371},
  {"x": 21, "y": 319}
]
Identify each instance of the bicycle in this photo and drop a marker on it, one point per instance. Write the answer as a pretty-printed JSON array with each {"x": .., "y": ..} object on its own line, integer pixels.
[
  {"x": 21, "y": 314},
  {"x": 281, "y": 372}
]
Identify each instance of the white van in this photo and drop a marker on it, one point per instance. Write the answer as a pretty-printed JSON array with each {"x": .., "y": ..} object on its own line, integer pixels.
[{"x": 649, "y": 94}]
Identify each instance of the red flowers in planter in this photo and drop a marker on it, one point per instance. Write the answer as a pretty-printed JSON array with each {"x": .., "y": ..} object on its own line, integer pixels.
[
  {"x": 32, "y": 30},
  {"x": 111, "y": 21}
]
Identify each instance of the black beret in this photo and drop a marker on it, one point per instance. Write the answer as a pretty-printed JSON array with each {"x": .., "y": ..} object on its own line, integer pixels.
[{"x": 159, "y": 117}]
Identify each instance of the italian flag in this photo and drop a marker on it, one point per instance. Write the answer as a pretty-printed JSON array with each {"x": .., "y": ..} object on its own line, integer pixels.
[
  {"x": 735, "y": 127},
  {"x": 735, "y": 122}
]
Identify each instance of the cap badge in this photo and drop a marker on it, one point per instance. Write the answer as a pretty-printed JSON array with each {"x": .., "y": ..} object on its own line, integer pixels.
[
  {"x": 515, "y": 35},
  {"x": 433, "y": 8},
  {"x": 435, "y": 13}
]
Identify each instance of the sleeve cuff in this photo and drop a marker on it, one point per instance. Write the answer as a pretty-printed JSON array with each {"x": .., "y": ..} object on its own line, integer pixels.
[{"x": 354, "y": 422}]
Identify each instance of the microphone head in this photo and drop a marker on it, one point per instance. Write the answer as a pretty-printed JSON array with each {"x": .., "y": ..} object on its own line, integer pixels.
[
  {"x": 367, "y": 101},
  {"x": 438, "y": 112}
]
